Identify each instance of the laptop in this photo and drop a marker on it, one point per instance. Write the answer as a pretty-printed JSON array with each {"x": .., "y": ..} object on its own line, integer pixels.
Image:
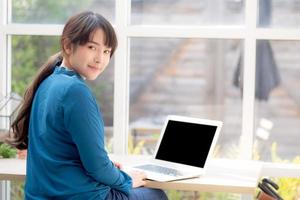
[{"x": 183, "y": 149}]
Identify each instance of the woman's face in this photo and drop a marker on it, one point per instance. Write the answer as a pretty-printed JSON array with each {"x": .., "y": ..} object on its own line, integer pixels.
[{"x": 90, "y": 59}]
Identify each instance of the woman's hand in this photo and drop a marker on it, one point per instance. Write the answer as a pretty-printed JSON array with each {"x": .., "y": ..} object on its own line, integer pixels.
[
  {"x": 118, "y": 165},
  {"x": 138, "y": 178}
]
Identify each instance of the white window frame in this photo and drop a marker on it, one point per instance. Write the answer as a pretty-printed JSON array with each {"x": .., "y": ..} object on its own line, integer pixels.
[{"x": 249, "y": 33}]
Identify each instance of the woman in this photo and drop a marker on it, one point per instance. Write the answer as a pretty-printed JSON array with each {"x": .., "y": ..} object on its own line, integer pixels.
[{"x": 62, "y": 127}]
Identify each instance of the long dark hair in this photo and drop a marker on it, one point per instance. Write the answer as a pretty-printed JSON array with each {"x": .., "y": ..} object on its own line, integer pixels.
[{"x": 77, "y": 31}]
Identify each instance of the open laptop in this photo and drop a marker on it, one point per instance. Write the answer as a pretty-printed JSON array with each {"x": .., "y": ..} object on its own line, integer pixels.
[{"x": 183, "y": 149}]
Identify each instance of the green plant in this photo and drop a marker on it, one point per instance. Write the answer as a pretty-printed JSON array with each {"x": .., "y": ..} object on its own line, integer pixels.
[{"x": 7, "y": 151}]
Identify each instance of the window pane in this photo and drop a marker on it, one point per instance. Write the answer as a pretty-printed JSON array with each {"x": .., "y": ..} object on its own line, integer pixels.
[
  {"x": 57, "y": 11},
  {"x": 280, "y": 13},
  {"x": 277, "y": 103},
  {"x": 30, "y": 52},
  {"x": 191, "y": 77},
  {"x": 17, "y": 190},
  {"x": 187, "y": 12}
]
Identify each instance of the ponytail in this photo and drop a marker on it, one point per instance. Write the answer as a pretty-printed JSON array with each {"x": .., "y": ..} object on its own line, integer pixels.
[{"x": 19, "y": 135}]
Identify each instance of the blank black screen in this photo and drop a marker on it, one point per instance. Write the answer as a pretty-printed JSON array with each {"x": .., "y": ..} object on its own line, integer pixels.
[{"x": 186, "y": 143}]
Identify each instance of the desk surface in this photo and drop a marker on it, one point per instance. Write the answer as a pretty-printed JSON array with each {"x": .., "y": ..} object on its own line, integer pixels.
[
  {"x": 222, "y": 175},
  {"x": 12, "y": 169}
]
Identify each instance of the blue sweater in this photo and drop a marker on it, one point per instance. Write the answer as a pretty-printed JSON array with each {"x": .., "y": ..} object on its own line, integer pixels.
[{"x": 66, "y": 156}]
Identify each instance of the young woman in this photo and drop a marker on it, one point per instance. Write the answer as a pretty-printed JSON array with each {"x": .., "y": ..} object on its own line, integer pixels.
[{"x": 62, "y": 127}]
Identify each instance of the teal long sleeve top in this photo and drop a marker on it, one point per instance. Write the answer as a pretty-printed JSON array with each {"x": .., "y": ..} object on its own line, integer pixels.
[{"x": 66, "y": 158}]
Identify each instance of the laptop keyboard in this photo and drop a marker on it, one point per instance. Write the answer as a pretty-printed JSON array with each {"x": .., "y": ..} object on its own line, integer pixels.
[{"x": 160, "y": 169}]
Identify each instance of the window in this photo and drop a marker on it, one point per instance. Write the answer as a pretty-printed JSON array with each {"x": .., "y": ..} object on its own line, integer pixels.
[
  {"x": 279, "y": 14},
  {"x": 29, "y": 53},
  {"x": 206, "y": 57},
  {"x": 184, "y": 76},
  {"x": 187, "y": 12},
  {"x": 277, "y": 119}
]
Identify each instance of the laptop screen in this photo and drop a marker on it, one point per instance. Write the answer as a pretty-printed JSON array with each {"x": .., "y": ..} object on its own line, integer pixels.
[{"x": 186, "y": 143}]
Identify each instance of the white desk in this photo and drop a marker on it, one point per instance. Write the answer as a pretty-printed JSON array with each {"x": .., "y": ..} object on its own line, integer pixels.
[
  {"x": 12, "y": 169},
  {"x": 222, "y": 175}
]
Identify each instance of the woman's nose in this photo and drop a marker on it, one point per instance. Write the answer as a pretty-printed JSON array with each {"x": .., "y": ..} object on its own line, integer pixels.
[
  {"x": 96, "y": 60},
  {"x": 99, "y": 58}
]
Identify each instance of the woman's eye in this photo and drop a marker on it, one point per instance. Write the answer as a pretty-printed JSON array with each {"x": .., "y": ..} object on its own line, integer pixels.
[
  {"x": 107, "y": 51},
  {"x": 92, "y": 47}
]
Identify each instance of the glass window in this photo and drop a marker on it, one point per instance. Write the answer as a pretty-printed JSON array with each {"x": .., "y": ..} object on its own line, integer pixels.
[
  {"x": 57, "y": 11},
  {"x": 28, "y": 55},
  {"x": 17, "y": 190},
  {"x": 187, "y": 12},
  {"x": 277, "y": 102},
  {"x": 279, "y": 13},
  {"x": 192, "y": 77}
]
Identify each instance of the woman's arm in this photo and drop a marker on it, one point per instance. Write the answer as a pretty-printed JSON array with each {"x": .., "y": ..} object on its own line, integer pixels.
[{"x": 84, "y": 122}]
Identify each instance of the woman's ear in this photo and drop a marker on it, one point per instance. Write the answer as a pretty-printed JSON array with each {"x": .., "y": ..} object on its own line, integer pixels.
[{"x": 67, "y": 46}]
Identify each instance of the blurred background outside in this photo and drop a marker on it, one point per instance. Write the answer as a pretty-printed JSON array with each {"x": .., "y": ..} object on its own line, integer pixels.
[{"x": 185, "y": 76}]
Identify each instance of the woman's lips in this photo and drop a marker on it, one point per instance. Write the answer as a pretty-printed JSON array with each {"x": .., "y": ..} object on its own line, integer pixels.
[{"x": 93, "y": 67}]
